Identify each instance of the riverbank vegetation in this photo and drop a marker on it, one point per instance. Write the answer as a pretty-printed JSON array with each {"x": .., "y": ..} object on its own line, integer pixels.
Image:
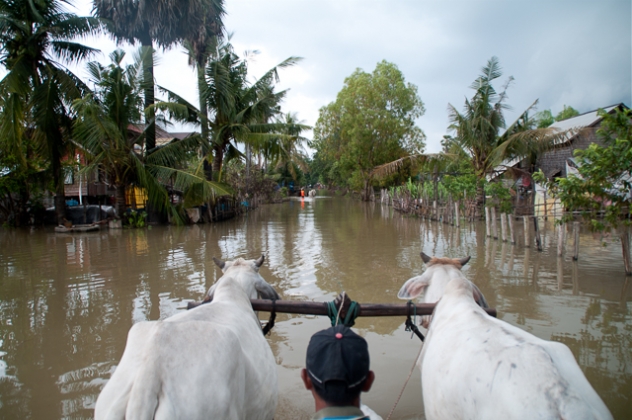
[{"x": 56, "y": 127}]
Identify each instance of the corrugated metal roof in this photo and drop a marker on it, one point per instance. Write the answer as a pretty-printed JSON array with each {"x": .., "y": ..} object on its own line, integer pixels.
[{"x": 581, "y": 121}]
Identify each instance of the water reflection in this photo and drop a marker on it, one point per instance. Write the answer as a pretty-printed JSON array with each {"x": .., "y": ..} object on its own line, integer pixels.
[{"x": 68, "y": 301}]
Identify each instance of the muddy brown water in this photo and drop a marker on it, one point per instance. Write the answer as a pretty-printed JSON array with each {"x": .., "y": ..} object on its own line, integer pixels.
[{"x": 67, "y": 301}]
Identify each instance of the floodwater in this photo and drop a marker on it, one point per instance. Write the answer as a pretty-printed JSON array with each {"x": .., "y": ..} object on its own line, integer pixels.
[{"x": 67, "y": 301}]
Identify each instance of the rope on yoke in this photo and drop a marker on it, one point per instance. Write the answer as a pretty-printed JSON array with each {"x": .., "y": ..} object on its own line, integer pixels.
[
  {"x": 334, "y": 313},
  {"x": 410, "y": 325},
  {"x": 270, "y": 323}
]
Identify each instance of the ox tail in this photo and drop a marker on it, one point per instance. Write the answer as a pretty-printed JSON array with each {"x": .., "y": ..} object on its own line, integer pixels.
[{"x": 143, "y": 399}]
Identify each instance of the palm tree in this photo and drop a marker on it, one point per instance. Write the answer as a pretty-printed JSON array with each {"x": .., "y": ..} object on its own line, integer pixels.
[
  {"x": 288, "y": 153},
  {"x": 479, "y": 129},
  {"x": 106, "y": 127},
  {"x": 34, "y": 35},
  {"x": 239, "y": 112},
  {"x": 167, "y": 23}
]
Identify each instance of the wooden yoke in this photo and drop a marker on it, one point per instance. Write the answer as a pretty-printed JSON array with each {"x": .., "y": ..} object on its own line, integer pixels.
[{"x": 320, "y": 308}]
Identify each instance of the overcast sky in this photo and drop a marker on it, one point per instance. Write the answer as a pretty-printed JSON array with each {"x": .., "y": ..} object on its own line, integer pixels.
[{"x": 572, "y": 52}]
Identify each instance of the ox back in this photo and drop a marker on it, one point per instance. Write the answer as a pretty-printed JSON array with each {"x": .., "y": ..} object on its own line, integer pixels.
[
  {"x": 209, "y": 362},
  {"x": 478, "y": 367}
]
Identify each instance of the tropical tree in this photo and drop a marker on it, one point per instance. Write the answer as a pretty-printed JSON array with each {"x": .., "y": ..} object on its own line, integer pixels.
[
  {"x": 107, "y": 127},
  {"x": 239, "y": 112},
  {"x": 287, "y": 153},
  {"x": 566, "y": 113},
  {"x": 35, "y": 39},
  {"x": 545, "y": 117},
  {"x": 166, "y": 22},
  {"x": 371, "y": 122},
  {"x": 480, "y": 130}
]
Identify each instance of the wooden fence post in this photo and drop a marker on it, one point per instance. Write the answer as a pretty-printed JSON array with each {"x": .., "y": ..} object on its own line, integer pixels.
[
  {"x": 503, "y": 226},
  {"x": 538, "y": 240},
  {"x": 575, "y": 241},
  {"x": 625, "y": 247},
  {"x": 561, "y": 230},
  {"x": 494, "y": 225},
  {"x": 487, "y": 222},
  {"x": 456, "y": 213},
  {"x": 510, "y": 221},
  {"x": 527, "y": 242}
]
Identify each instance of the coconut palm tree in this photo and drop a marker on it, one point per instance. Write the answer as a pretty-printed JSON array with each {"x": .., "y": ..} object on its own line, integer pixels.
[
  {"x": 239, "y": 112},
  {"x": 166, "y": 22},
  {"x": 107, "y": 128},
  {"x": 480, "y": 130},
  {"x": 35, "y": 39},
  {"x": 288, "y": 152}
]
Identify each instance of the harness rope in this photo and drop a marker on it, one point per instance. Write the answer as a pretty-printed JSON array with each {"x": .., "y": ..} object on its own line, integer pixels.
[
  {"x": 412, "y": 368},
  {"x": 410, "y": 326},
  {"x": 265, "y": 330}
]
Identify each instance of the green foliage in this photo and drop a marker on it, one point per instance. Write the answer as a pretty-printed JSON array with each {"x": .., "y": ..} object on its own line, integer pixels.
[
  {"x": 500, "y": 197},
  {"x": 544, "y": 118},
  {"x": 135, "y": 219},
  {"x": 372, "y": 122},
  {"x": 566, "y": 113},
  {"x": 603, "y": 186},
  {"x": 457, "y": 185}
]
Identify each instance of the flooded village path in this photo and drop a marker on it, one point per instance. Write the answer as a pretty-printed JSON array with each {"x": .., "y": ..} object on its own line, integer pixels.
[{"x": 67, "y": 301}]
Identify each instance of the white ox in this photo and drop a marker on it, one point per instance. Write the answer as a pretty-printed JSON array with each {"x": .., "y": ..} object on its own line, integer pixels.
[
  {"x": 209, "y": 362},
  {"x": 431, "y": 284},
  {"x": 312, "y": 193},
  {"x": 475, "y": 366}
]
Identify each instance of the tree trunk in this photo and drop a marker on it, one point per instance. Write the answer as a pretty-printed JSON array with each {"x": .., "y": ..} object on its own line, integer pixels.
[
  {"x": 148, "y": 79},
  {"x": 208, "y": 169},
  {"x": 218, "y": 156},
  {"x": 58, "y": 181},
  {"x": 480, "y": 198},
  {"x": 366, "y": 195},
  {"x": 120, "y": 200}
]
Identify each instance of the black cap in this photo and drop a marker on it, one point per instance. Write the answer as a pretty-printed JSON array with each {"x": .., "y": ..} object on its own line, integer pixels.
[{"x": 340, "y": 356}]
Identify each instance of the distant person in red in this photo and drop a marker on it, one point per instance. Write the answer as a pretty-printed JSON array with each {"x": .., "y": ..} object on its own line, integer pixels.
[{"x": 302, "y": 193}]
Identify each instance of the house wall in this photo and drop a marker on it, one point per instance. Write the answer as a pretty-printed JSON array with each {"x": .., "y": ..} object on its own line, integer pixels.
[{"x": 556, "y": 159}]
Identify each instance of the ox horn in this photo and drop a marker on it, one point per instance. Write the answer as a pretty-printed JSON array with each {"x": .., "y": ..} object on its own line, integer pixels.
[
  {"x": 464, "y": 261},
  {"x": 219, "y": 263},
  {"x": 426, "y": 259},
  {"x": 260, "y": 260}
]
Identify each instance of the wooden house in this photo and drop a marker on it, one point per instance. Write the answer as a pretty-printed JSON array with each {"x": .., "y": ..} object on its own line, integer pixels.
[{"x": 556, "y": 163}]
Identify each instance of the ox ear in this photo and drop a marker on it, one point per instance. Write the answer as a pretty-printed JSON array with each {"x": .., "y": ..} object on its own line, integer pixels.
[
  {"x": 219, "y": 263},
  {"x": 413, "y": 288},
  {"x": 259, "y": 262},
  {"x": 426, "y": 259},
  {"x": 478, "y": 297},
  {"x": 464, "y": 261},
  {"x": 265, "y": 290}
]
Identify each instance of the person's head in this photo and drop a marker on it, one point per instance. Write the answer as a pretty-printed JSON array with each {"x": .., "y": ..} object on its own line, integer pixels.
[{"x": 337, "y": 366}]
